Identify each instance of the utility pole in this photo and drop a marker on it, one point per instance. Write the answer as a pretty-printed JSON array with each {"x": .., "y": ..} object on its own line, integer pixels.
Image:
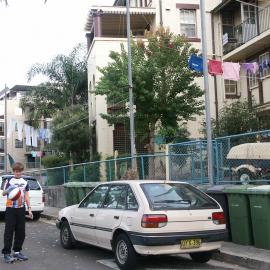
[
  {"x": 130, "y": 90},
  {"x": 6, "y": 159},
  {"x": 206, "y": 91}
]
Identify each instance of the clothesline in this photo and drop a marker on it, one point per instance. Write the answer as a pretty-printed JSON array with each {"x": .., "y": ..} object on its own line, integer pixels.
[
  {"x": 31, "y": 134},
  {"x": 229, "y": 70}
]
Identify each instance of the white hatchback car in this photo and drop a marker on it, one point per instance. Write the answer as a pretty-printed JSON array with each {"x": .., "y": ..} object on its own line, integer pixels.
[
  {"x": 147, "y": 218},
  {"x": 36, "y": 195}
]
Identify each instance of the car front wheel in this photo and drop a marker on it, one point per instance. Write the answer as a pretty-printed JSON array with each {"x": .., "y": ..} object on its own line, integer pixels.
[
  {"x": 124, "y": 252},
  {"x": 66, "y": 237},
  {"x": 201, "y": 257}
]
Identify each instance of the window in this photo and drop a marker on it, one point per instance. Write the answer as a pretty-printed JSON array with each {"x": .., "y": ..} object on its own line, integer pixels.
[
  {"x": 188, "y": 22},
  {"x": 95, "y": 198},
  {"x": 249, "y": 13},
  {"x": 2, "y": 128},
  {"x": 166, "y": 196},
  {"x": 18, "y": 144},
  {"x": 2, "y": 163},
  {"x": 2, "y": 145},
  {"x": 263, "y": 60},
  {"x": 131, "y": 200},
  {"x": 116, "y": 197},
  {"x": 230, "y": 87}
]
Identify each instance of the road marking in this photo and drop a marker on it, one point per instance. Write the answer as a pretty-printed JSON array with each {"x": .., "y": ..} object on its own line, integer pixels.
[{"x": 112, "y": 264}]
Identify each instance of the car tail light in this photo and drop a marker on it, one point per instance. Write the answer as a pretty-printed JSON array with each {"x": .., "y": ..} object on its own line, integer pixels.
[
  {"x": 43, "y": 197},
  {"x": 218, "y": 218},
  {"x": 154, "y": 221}
]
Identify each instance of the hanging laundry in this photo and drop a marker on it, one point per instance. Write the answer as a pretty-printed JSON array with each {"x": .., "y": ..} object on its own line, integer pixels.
[
  {"x": 20, "y": 130},
  {"x": 42, "y": 133},
  {"x": 11, "y": 127},
  {"x": 48, "y": 135},
  {"x": 34, "y": 135},
  {"x": 27, "y": 130},
  {"x": 231, "y": 71},
  {"x": 250, "y": 67},
  {"x": 215, "y": 67},
  {"x": 33, "y": 153},
  {"x": 18, "y": 111},
  {"x": 195, "y": 63}
]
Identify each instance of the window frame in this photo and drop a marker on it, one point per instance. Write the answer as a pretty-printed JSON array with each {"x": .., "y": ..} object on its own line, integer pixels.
[
  {"x": 18, "y": 144},
  {"x": 90, "y": 194},
  {"x": 230, "y": 83},
  {"x": 184, "y": 23}
]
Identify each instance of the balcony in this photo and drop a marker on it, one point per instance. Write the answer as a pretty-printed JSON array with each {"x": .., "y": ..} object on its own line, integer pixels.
[
  {"x": 247, "y": 33},
  {"x": 32, "y": 165}
]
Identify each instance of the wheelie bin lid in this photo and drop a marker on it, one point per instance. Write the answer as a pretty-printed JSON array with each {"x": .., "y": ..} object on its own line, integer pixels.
[
  {"x": 238, "y": 189},
  {"x": 81, "y": 184},
  {"x": 264, "y": 190},
  {"x": 218, "y": 189}
]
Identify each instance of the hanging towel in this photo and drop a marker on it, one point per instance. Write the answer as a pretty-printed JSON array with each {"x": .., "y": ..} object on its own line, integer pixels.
[
  {"x": 195, "y": 63},
  {"x": 231, "y": 71},
  {"x": 11, "y": 127},
  {"x": 27, "y": 130},
  {"x": 48, "y": 135},
  {"x": 34, "y": 135},
  {"x": 215, "y": 67},
  {"x": 250, "y": 67},
  {"x": 20, "y": 129}
]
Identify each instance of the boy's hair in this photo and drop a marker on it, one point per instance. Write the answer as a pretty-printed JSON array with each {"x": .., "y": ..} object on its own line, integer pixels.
[{"x": 17, "y": 166}]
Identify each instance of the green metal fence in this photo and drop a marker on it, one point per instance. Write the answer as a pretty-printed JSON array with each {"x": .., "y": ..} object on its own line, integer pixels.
[{"x": 182, "y": 162}]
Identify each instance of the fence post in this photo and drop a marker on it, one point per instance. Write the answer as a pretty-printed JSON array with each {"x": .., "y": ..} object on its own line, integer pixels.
[
  {"x": 84, "y": 173},
  {"x": 64, "y": 174},
  {"x": 201, "y": 162},
  {"x": 168, "y": 173},
  {"x": 192, "y": 167},
  {"x": 217, "y": 162},
  {"x": 142, "y": 165},
  {"x": 47, "y": 179},
  {"x": 110, "y": 171}
]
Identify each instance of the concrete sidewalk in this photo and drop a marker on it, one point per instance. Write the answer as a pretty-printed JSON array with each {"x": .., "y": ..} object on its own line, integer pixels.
[{"x": 245, "y": 256}]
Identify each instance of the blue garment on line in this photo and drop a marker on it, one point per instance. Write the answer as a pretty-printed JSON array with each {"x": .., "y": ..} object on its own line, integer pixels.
[{"x": 195, "y": 63}]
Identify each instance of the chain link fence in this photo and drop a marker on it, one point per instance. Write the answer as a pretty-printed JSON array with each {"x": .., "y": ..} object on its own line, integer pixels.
[{"x": 243, "y": 158}]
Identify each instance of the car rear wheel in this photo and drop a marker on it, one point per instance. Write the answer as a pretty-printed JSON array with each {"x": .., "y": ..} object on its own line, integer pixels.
[
  {"x": 66, "y": 238},
  {"x": 36, "y": 216},
  {"x": 124, "y": 252},
  {"x": 201, "y": 257},
  {"x": 244, "y": 176}
]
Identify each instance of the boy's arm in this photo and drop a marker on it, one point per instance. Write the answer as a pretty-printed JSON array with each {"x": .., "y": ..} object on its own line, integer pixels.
[{"x": 27, "y": 201}]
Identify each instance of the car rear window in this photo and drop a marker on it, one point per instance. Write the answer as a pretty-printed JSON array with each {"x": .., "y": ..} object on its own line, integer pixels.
[
  {"x": 176, "y": 196},
  {"x": 33, "y": 183}
]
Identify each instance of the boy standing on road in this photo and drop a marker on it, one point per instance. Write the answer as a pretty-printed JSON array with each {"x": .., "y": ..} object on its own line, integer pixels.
[{"x": 15, "y": 216}]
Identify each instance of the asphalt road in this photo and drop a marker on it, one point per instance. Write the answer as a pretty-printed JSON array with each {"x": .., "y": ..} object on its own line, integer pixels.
[{"x": 45, "y": 253}]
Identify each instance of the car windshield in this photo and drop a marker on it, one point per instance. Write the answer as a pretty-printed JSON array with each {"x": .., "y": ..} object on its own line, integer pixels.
[{"x": 162, "y": 196}]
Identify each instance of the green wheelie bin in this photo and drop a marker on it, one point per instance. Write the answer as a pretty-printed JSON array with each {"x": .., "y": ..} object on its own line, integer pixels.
[
  {"x": 259, "y": 198},
  {"x": 239, "y": 215}
]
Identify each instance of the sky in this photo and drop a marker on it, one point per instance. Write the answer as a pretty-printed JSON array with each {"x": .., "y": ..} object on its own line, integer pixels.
[{"x": 33, "y": 32}]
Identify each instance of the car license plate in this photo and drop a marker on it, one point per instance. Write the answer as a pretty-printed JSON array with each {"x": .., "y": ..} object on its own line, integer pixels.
[{"x": 191, "y": 243}]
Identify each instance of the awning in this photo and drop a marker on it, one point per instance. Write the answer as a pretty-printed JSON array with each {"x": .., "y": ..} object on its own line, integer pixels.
[
  {"x": 221, "y": 6},
  {"x": 116, "y": 10}
]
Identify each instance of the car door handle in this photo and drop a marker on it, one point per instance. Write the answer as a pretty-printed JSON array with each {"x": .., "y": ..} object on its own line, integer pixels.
[
  {"x": 116, "y": 217},
  {"x": 91, "y": 215}
]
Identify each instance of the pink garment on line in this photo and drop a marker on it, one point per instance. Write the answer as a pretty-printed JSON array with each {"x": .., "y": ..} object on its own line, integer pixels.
[
  {"x": 231, "y": 71},
  {"x": 215, "y": 67}
]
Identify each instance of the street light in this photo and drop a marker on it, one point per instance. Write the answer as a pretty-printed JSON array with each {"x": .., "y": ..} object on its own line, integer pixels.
[
  {"x": 130, "y": 90},
  {"x": 207, "y": 99}
]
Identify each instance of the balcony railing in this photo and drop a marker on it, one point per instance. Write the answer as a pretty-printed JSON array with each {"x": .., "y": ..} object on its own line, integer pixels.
[{"x": 248, "y": 30}]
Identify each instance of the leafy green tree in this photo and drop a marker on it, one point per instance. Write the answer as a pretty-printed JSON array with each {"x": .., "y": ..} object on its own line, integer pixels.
[
  {"x": 239, "y": 117},
  {"x": 70, "y": 130},
  {"x": 165, "y": 93},
  {"x": 66, "y": 86}
]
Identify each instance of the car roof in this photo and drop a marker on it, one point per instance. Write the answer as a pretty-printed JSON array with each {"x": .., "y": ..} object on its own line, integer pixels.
[
  {"x": 26, "y": 177},
  {"x": 136, "y": 182}
]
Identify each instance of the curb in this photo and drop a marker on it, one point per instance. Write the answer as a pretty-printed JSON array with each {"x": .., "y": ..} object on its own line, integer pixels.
[
  {"x": 48, "y": 216},
  {"x": 247, "y": 262}
]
